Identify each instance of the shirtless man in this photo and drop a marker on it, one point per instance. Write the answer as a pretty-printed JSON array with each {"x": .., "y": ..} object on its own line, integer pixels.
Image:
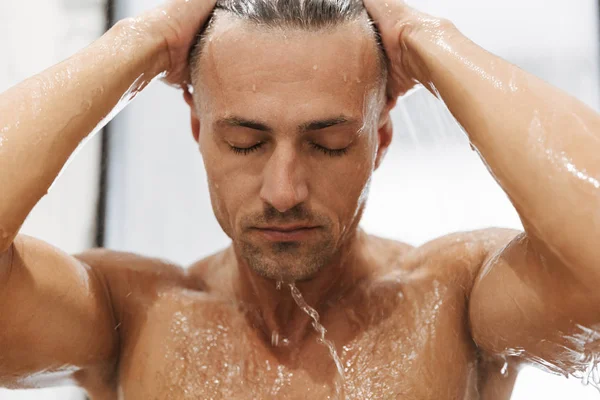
[{"x": 292, "y": 119}]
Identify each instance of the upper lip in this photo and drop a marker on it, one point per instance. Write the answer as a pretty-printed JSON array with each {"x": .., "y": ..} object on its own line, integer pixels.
[{"x": 285, "y": 228}]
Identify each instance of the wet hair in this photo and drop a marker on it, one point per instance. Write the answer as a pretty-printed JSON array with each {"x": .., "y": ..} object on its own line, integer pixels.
[{"x": 309, "y": 15}]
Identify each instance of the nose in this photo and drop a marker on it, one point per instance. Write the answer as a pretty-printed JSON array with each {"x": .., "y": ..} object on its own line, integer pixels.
[{"x": 284, "y": 184}]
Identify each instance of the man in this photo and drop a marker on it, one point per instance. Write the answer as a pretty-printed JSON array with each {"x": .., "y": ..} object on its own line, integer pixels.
[{"x": 290, "y": 109}]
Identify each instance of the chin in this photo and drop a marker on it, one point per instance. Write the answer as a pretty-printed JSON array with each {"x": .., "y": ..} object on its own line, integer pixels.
[
  {"x": 291, "y": 261},
  {"x": 280, "y": 269},
  {"x": 287, "y": 276}
]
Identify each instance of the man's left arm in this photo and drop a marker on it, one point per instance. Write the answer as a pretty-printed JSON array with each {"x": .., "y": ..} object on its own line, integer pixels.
[{"x": 538, "y": 296}]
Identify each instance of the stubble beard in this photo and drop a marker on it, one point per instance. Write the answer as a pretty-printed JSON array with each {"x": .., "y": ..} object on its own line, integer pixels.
[{"x": 288, "y": 261}]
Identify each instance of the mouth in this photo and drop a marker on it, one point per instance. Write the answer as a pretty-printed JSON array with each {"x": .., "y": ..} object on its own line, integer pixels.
[{"x": 291, "y": 233}]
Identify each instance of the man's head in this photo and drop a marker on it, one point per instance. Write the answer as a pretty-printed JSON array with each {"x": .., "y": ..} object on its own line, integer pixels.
[{"x": 290, "y": 114}]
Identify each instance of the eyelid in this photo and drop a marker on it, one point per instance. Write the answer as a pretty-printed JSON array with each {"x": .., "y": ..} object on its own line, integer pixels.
[
  {"x": 328, "y": 151},
  {"x": 323, "y": 149},
  {"x": 245, "y": 150}
]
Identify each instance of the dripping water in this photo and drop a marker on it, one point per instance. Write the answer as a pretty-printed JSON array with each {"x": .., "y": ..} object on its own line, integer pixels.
[{"x": 320, "y": 329}]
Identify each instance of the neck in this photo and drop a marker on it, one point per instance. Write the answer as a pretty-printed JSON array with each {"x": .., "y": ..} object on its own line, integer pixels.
[{"x": 271, "y": 307}]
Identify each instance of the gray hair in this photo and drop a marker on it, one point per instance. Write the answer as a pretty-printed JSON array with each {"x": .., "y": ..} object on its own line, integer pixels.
[{"x": 310, "y": 15}]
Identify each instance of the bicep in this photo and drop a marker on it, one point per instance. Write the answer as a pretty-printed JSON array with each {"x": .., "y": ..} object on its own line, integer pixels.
[
  {"x": 532, "y": 307},
  {"x": 55, "y": 315}
]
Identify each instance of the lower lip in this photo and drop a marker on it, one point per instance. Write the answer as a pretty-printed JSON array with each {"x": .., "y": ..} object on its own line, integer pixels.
[{"x": 288, "y": 236}]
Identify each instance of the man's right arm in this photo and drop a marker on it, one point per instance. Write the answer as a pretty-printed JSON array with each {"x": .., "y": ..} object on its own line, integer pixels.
[{"x": 56, "y": 314}]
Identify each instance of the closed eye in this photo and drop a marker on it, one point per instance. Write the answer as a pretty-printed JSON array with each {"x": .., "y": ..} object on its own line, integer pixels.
[
  {"x": 245, "y": 150},
  {"x": 330, "y": 152}
]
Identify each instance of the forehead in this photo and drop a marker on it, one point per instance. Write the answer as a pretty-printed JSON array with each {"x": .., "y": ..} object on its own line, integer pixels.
[{"x": 261, "y": 72}]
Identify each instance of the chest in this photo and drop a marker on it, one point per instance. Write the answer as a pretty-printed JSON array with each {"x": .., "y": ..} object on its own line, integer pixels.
[{"x": 415, "y": 346}]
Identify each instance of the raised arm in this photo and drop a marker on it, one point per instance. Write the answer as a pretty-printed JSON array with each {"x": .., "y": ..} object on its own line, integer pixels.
[
  {"x": 55, "y": 311},
  {"x": 537, "y": 297}
]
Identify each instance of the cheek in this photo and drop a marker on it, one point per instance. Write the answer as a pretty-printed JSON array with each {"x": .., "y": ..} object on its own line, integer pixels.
[
  {"x": 218, "y": 204},
  {"x": 345, "y": 187},
  {"x": 231, "y": 193}
]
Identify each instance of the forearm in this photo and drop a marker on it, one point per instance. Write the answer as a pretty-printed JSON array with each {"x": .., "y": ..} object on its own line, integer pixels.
[
  {"x": 43, "y": 119},
  {"x": 541, "y": 144}
]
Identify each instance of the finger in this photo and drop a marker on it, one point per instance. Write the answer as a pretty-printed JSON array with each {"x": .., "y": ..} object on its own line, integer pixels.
[{"x": 386, "y": 13}]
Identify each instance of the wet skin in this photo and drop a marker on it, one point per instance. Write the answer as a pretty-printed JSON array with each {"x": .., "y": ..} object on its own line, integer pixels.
[
  {"x": 401, "y": 330},
  {"x": 433, "y": 322}
]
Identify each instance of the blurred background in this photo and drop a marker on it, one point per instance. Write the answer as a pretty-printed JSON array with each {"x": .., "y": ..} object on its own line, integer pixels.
[{"x": 140, "y": 185}]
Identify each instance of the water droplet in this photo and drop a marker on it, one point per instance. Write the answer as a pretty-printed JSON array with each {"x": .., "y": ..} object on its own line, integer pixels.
[
  {"x": 87, "y": 105},
  {"x": 98, "y": 91},
  {"x": 315, "y": 67},
  {"x": 278, "y": 285},
  {"x": 345, "y": 78},
  {"x": 504, "y": 370},
  {"x": 254, "y": 88}
]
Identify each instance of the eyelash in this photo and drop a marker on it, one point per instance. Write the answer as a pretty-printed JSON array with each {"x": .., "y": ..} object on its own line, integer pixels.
[
  {"x": 326, "y": 151},
  {"x": 245, "y": 151}
]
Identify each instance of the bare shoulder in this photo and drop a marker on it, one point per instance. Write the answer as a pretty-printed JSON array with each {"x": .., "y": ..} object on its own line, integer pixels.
[
  {"x": 133, "y": 280},
  {"x": 461, "y": 254},
  {"x": 388, "y": 252},
  {"x": 210, "y": 272},
  {"x": 130, "y": 265},
  {"x": 443, "y": 269}
]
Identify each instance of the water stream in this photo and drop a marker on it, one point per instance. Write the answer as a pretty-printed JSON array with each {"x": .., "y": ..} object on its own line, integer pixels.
[{"x": 320, "y": 329}]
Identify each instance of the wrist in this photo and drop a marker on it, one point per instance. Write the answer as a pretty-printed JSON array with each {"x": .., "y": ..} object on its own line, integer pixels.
[
  {"x": 423, "y": 41},
  {"x": 138, "y": 38}
]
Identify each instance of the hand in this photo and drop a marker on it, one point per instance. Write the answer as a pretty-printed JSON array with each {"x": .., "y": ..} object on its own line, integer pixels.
[
  {"x": 402, "y": 30},
  {"x": 177, "y": 22}
]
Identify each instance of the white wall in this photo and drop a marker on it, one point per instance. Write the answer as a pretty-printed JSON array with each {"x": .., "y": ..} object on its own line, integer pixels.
[
  {"x": 33, "y": 36},
  {"x": 430, "y": 184}
]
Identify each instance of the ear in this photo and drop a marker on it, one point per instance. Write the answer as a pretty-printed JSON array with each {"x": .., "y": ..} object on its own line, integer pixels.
[
  {"x": 385, "y": 131},
  {"x": 195, "y": 121}
]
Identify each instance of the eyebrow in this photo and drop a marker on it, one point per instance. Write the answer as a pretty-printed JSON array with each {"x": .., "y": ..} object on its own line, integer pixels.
[
  {"x": 306, "y": 127},
  {"x": 246, "y": 123}
]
